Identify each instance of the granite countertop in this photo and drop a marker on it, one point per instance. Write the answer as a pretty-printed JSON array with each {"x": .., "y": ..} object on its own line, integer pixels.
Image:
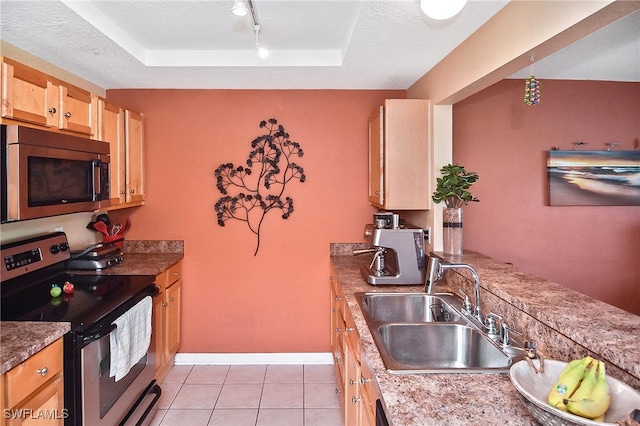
[
  {"x": 463, "y": 399},
  {"x": 20, "y": 340}
]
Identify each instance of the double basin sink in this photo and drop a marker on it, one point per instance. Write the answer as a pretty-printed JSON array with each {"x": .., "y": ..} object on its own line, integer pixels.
[{"x": 424, "y": 333}]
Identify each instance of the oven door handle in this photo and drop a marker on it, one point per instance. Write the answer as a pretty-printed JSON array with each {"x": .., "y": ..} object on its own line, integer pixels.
[{"x": 98, "y": 335}]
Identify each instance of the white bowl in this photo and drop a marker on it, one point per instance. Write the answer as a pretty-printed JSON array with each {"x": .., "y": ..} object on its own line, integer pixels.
[{"x": 534, "y": 391}]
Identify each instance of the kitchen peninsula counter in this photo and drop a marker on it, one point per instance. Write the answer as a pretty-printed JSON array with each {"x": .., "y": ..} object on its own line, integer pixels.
[
  {"x": 20, "y": 340},
  {"x": 463, "y": 399}
]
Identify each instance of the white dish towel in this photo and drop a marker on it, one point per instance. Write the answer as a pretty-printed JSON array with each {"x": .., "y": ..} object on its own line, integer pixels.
[{"x": 130, "y": 340}]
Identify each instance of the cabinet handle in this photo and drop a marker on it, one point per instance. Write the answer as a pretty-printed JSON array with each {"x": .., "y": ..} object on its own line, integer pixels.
[
  {"x": 165, "y": 304},
  {"x": 348, "y": 329},
  {"x": 338, "y": 329},
  {"x": 363, "y": 380},
  {"x": 176, "y": 274},
  {"x": 42, "y": 371},
  {"x": 338, "y": 390},
  {"x": 334, "y": 310},
  {"x": 352, "y": 382},
  {"x": 355, "y": 400},
  {"x": 171, "y": 299},
  {"x": 52, "y": 110},
  {"x": 132, "y": 191},
  {"x": 338, "y": 298},
  {"x": 67, "y": 114}
]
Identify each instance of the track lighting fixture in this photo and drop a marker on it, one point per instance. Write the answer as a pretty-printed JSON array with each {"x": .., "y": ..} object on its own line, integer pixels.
[
  {"x": 239, "y": 8},
  {"x": 242, "y": 8}
]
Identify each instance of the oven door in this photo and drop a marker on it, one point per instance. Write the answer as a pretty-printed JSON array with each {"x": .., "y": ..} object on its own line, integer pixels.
[{"x": 107, "y": 402}]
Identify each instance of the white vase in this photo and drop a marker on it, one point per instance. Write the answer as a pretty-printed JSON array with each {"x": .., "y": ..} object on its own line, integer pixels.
[{"x": 452, "y": 230}]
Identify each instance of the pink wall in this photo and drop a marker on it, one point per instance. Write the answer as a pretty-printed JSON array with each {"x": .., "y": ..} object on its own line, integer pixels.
[
  {"x": 595, "y": 250},
  {"x": 277, "y": 301}
]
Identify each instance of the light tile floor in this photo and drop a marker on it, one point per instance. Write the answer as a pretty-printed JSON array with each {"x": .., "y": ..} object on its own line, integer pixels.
[{"x": 257, "y": 395}]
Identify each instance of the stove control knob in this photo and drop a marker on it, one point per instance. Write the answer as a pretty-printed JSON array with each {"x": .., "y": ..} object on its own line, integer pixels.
[
  {"x": 64, "y": 246},
  {"x": 55, "y": 249}
]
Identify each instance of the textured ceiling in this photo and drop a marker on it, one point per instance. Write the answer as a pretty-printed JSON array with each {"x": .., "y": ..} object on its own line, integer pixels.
[{"x": 327, "y": 44}]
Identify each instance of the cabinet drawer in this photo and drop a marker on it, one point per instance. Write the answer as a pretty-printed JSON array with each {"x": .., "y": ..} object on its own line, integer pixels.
[
  {"x": 174, "y": 273},
  {"x": 23, "y": 379}
]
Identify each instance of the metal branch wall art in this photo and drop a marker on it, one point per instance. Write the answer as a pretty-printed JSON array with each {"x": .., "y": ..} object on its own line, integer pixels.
[{"x": 261, "y": 184}]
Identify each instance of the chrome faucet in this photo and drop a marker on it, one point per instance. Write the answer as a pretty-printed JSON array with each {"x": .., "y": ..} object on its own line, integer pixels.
[{"x": 435, "y": 269}]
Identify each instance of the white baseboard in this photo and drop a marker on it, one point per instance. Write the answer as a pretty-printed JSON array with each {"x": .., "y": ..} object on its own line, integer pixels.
[{"x": 288, "y": 358}]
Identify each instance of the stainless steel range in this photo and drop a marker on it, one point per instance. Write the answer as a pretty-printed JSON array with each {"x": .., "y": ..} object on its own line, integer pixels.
[{"x": 92, "y": 396}]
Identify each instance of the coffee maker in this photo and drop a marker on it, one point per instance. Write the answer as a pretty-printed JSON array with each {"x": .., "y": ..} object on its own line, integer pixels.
[{"x": 399, "y": 257}]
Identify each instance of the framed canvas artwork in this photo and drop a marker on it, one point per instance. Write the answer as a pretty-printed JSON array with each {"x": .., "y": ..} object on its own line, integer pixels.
[{"x": 594, "y": 178}]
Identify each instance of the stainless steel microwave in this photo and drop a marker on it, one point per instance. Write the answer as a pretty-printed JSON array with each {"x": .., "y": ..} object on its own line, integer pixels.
[{"x": 48, "y": 174}]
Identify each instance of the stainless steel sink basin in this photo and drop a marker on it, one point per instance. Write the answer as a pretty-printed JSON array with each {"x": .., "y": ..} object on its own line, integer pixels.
[
  {"x": 407, "y": 307},
  {"x": 434, "y": 348},
  {"x": 423, "y": 333}
]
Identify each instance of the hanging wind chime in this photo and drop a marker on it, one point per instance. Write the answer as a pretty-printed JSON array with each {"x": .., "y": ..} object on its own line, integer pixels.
[{"x": 531, "y": 87}]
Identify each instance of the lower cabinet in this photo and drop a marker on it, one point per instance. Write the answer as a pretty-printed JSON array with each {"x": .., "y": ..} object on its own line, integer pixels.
[
  {"x": 356, "y": 384},
  {"x": 167, "y": 319},
  {"x": 32, "y": 393}
]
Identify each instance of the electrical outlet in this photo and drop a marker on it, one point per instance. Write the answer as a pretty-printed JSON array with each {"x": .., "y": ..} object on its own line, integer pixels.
[
  {"x": 58, "y": 229},
  {"x": 427, "y": 234}
]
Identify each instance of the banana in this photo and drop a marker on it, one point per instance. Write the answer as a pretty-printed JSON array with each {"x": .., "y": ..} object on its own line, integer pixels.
[
  {"x": 588, "y": 383},
  {"x": 568, "y": 381},
  {"x": 599, "y": 419},
  {"x": 598, "y": 401}
]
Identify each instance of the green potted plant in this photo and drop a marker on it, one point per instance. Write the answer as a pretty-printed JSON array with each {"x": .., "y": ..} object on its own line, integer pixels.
[
  {"x": 453, "y": 189},
  {"x": 453, "y": 186}
]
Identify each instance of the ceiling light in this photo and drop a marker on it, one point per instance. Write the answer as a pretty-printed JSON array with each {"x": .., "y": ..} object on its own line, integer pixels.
[
  {"x": 263, "y": 52},
  {"x": 442, "y": 9},
  {"x": 239, "y": 8}
]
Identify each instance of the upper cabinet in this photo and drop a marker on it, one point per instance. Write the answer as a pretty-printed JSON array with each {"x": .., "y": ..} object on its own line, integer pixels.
[
  {"x": 28, "y": 95},
  {"x": 134, "y": 141},
  {"x": 123, "y": 130},
  {"x": 398, "y": 155},
  {"x": 111, "y": 130},
  {"x": 77, "y": 110},
  {"x": 31, "y": 96}
]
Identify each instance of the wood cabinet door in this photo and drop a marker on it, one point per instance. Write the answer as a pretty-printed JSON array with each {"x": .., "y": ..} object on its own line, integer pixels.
[
  {"x": 77, "y": 108},
  {"x": 28, "y": 95},
  {"x": 134, "y": 140},
  {"x": 46, "y": 406},
  {"x": 353, "y": 400},
  {"x": 376, "y": 158},
  {"x": 111, "y": 130},
  {"x": 406, "y": 153},
  {"x": 158, "y": 331},
  {"x": 173, "y": 320}
]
